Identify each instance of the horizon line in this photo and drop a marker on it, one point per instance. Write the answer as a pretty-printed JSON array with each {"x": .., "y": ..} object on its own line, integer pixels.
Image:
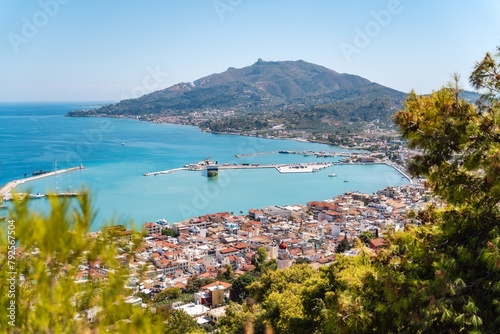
[{"x": 62, "y": 101}]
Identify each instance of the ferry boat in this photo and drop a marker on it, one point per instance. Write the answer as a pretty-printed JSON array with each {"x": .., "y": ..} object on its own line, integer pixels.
[
  {"x": 212, "y": 170},
  {"x": 211, "y": 167}
]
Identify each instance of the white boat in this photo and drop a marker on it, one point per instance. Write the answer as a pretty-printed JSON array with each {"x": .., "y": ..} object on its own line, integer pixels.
[
  {"x": 332, "y": 175},
  {"x": 36, "y": 196},
  {"x": 63, "y": 194}
]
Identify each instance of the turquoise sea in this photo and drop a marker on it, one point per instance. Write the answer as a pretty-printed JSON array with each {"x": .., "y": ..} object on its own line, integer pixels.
[{"x": 117, "y": 152}]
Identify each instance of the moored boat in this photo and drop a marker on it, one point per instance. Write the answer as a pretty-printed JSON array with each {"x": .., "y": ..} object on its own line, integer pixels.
[
  {"x": 36, "y": 196},
  {"x": 39, "y": 172},
  {"x": 63, "y": 194},
  {"x": 212, "y": 170}
]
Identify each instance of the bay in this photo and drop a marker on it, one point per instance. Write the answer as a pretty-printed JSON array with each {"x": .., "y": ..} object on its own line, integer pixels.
[{"x": 117, "y": 152}]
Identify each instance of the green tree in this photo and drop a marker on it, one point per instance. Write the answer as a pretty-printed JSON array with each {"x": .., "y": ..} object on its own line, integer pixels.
[
  {"x": 281, "y": 294},
  {"x": 179, "y": 322},
  {"x": 228, "y": 274},
  {"x": 195, "y": 282},
  {"x": 460, "y": 146},
  {"x": 259, "y": 258},
  {"x": 239, "y": 319},
  {"x": 50, "y": 251},
  {"x": 168, "y": 293},
  {"x": 440, "y": 275},
  {"x": 225, "y": 274},
  {"x": 365, "y": 237},
  {"x": 261, "y": 255},
  {"x": 343, "y": 246},
  {"x": 302, "y": 260},
  {"x": 238, "y": 291},
  {"x": 168, "y": 232}
]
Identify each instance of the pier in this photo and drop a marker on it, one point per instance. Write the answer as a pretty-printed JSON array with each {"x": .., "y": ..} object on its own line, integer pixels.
[
  {"x": 7, "y": 188},
  {"x": 358, "y": 158},
  {"x": 168, "y": 171},
  {"x": 304, "y": 167},
  {"x": 254, "y": 154},
  {"x": 319, "y": 154},
  {"x": 400, "y": 170},
  {"x": 323, "y": 154}
]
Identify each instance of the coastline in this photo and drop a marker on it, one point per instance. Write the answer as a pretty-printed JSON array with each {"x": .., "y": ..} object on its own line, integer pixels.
[
  {"x": 7, "y": 188},
  {"x": 400, "y": 170},
  {"x": 133, "y": 197},
  {"x": 299, "y": 139}
]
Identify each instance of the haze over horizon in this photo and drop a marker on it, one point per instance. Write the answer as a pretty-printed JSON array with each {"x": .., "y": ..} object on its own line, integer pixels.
[{"x": 55, "y": 50}]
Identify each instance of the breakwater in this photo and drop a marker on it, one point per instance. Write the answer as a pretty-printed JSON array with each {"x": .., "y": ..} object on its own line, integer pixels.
[
  {"x": 5, "y": 191},
  {"x": 304, "y": 167}
]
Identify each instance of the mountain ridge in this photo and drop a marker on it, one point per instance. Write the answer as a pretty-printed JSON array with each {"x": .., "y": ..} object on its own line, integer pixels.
[
  {"x": 261, "y": 87},
  {"x": 275, "y": 99}
]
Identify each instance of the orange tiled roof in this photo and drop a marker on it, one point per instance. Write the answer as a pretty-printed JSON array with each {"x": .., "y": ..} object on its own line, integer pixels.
[
  {"x": 217, "y": 283},
  {"x": 228, "y": 250}
]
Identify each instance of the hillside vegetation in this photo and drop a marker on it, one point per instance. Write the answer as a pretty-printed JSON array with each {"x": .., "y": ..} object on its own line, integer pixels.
[
  {"x": 264, "y": 91},
  {"x": 440, "y": 275}
]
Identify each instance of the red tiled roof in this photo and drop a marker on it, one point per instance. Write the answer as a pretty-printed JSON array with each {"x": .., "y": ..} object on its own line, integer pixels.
[
  {"x": 241, "y": 245},
  {"x": 217, "y": 283},
  {"x": 228, "y": 250},
  {"x": 378, "y": 242}
]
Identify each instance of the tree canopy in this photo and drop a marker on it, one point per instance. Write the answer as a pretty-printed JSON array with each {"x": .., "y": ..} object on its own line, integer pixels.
[
  {"x": 50, "y": 251},
  {"x": 440, "y": 275}
]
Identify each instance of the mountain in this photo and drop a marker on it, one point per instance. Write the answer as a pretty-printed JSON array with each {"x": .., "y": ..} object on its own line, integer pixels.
[
  {"x": 470, "y": 96},
  {"x": 261, "y": 95}
]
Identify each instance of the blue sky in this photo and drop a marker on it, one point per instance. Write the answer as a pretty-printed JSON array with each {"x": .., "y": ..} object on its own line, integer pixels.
[{"x": 90, "y": 50}]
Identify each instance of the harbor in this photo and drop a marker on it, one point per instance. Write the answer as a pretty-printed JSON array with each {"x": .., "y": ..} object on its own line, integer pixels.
[
  {"x": 6, "y": 190},
  {"x": 116, "y": 179},
  {"x": 304, "y": 167},
  {"x": 358, "y": 158}
]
